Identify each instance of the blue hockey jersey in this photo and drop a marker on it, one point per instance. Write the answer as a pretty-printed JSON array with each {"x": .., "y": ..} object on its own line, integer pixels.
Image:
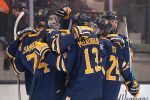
[
  {"x": 49, "y": 83},
  {"x": 84, "y": 65},
  {"x": 112, "y": 83}
]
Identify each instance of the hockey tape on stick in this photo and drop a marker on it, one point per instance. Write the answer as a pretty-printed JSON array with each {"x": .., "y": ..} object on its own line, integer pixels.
[{"x": 16, "y": 23}]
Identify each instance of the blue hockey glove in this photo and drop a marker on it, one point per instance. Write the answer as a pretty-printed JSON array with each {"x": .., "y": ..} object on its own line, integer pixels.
[
  {"x": 65, "y": 13},
  {"x": 133, "y": 87}
]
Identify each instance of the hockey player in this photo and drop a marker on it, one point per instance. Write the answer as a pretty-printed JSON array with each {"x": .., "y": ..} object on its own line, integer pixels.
[
  {"x": 29, "y": 52},
  {"x": 131, "y": 84},
  {"x": 112, "y": 83},
  {"x": 86, "y": 77},
  {"x": 122, "y": 52},
  {"x": 83, "y": 62}
]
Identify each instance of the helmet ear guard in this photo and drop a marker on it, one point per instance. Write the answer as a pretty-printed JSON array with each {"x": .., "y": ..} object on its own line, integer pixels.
[{"x": 104, "y": 26}]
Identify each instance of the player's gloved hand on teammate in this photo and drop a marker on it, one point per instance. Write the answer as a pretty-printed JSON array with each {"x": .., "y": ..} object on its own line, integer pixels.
[
  {"x": 21, "y": 34},
  {"x": 117, "y": 40},
  {"x": 133, "y": 87},
  {"x": 64, "y": 12}
]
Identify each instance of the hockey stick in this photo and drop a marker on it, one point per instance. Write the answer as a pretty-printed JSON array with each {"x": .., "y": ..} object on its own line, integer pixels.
[
  {"x": 15, "y": 32},
  {"x": 127, "y": 35},
  {"x": 126, "y": 27},
  {"x": 18, "y": 82},
  {"x": 130, "y": 61},
  {"x": 16, "y": 23}
]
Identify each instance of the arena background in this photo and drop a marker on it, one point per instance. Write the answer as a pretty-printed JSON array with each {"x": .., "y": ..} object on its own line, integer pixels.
[{"x": 137, "y": 13}]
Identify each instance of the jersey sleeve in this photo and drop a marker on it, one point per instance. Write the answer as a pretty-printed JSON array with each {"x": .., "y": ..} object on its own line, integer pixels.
[
  {"x": 12, "y": 48},
  {"x": 65, "y": 62},
  {"x": 58, "y": 43},
  {"x": 127, "y": 71},
  {"x": 28, "y": 81},
  {"x": 17, "y": 66}
]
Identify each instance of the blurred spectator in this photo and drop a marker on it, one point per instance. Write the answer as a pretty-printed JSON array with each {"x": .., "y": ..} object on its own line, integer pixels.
[
  {"x": 17, "y": 7},
  {"x": 81, "y": 5},
  {"x": 3, "y": 6},
  {"x": 4, "y": 10},
  {"x": 8, "y": 22},
  {"x": 43, "y": 3},
  {"x": 94, "y": 13}
]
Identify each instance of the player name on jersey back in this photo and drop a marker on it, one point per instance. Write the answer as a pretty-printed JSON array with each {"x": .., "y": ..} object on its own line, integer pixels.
[{"x": 88, "y": 41}]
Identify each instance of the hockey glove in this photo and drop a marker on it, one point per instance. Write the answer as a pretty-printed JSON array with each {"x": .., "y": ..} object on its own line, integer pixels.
[
  {"x": 133, "y": 88},
  {"x": 21, "y": 34},
  {"x": 65, "y": 13}
]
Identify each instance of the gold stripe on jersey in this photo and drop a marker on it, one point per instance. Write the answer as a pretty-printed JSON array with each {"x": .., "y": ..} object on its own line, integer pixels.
[
  {"x": 123, "y": 64},
  {"x": 125, "y": 68},
  {"x": 45, "y": 66},
  {"x": 105, "y": 38},
  {"x": 49, "y": 30},
  {"x": 53, "y": 43},
  {"x": 65, "y": 31},
  {"x": 57, "y": 63},
  {"x": 15, "y": 68},
  {"x": 110, "y": 35},
  {"x": 63, "y": 66},
  {"x": 34, "y": 34},
  {"x": 79, "y": 29},
  {"x": 75, "y": 31},
  {"x": 41, "y": 47},
  {"x": 58, "y": 45},
  {"x": 8, "y": 53},
  {"x": 119, "y": 44},
  {"x": 86, "y": 28}
]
